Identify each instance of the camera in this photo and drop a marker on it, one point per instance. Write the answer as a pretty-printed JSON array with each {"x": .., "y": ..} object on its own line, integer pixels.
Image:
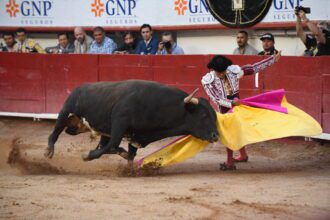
[
  {"x": 31, "y": 50},
  {"x": 301, "y": 8},
  {"x": 167, "y": 44}
]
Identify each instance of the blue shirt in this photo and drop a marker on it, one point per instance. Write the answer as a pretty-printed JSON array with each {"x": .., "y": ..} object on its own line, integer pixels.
[
  {"x": 106, "y": 47},
  {"x": 144, "y": 49},
  {"x": 176, "y": 50}
]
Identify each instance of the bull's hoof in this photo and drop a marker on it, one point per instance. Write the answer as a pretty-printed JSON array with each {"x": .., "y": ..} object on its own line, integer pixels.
[
  {"x": 49, "y": 153},
  {"x": 85, "y": 157},
  {"x": 226, "y": 167}
]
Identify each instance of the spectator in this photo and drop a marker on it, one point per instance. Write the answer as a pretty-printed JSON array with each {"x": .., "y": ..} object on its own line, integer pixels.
[
  {"x": 101, "y": 43},
  {"x": 318, "y": 43},
  {"x": 10, "y": 42},
  {"x": 268, "y": 43},
  {"x": 129, "y": 45},
  {"x": 82, "y": 42},
  {"x": 149, "y": 44},
  {"x": 168, "y": 46},
  {"x": 64, "y": 46},
  {"x": 26, "y": 45},
  {"x": 243, "y": 47}
]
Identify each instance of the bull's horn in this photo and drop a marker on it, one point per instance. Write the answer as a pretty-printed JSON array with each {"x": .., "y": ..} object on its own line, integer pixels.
[{"x": 190, "y": 98}]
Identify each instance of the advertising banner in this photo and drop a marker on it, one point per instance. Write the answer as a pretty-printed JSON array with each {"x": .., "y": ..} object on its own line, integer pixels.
[{"x": 133, "y": 13}]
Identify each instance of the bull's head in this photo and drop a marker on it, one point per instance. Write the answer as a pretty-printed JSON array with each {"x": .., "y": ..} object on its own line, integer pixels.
[
  {"x": 75, "y": 126},
  {"x": 201, "y": 118}
]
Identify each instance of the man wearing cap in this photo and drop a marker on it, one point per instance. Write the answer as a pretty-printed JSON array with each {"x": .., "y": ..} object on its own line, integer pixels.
[
  {"x": 222, "y": 86},
  {"x": 268, "y": 43},
  {"x": 317, "y": 43}
]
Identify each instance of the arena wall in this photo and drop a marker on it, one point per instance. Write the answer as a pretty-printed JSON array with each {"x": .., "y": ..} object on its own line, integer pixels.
[{"x": 36, "y": 83}]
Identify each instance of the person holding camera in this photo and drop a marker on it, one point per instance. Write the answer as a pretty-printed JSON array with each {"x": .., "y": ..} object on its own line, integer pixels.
[
  {"x": 64, "y": 46},
  {"x": 168, "y": 46},
  {"x": 26, "y": 45},
  {"x": 318, "y": 43}
]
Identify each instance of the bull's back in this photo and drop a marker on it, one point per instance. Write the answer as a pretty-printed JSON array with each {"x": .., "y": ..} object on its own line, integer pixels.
[{"x": 145, "y": 102}]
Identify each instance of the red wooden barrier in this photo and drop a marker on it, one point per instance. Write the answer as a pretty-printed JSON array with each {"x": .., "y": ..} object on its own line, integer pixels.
[{"x": 34, "y": 83}]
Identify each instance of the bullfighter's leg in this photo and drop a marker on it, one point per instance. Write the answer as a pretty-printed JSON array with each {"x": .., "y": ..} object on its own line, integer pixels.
[
  {"x": 118, "y": 131},
  {"x": 229, "y": 165},
  {"x": 243, "y": 157},
  {"x": 59, "y": 127},
  {"x": 103, "y": 142}
]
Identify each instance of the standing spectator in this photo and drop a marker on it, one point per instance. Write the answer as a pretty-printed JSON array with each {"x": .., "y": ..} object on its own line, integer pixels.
[
  {"x": 64, "y": 46},
  {"x": 149, "y": 44},
  {"x": 10, "y": 42},
  {"x": 82, "y": 42},
  {"x": 268, "y": 43},
  {"x": 168, "y": 46},
  {"x": 26, "y": 45},
  {"x": 102, "y": 44},
  {"x": 129, "y": 45},
  {"x": 317, "y": 43},
  {"x": 243, "y": 47}
]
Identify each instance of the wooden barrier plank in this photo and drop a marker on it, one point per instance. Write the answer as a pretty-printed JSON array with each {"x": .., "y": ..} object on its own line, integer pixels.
[
  {"x": 21, "y": 83},
  {"x": 65, "y": 72}
]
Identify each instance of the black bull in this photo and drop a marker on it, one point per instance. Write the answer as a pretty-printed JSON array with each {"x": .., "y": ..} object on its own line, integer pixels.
[{"x": 142, "y": 111}]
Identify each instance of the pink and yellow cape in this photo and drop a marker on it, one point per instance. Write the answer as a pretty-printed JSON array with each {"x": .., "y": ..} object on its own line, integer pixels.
[{"x": 259, "y": 118}]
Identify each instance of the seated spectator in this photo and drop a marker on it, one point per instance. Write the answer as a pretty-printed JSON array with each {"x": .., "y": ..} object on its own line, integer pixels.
[
  {"x": 102, "y": 44},
  {"x": 64, "y": 46},
  {"x": 26, "y": 45},
  {"x": 10, "y": 42},
  {"x": 129, "y": 45},
  {"x": 168, "y": 46},
  {"x": 149, "y": 44},
  {"x": 317, "y": 43},
  {"x": 243, "y": 47},
  {"x": 268, "y": 43},
  {"x": 82, "y": 42}
]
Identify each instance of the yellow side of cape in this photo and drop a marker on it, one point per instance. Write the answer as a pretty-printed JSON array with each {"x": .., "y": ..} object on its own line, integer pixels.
[{"x": 245, "y": 125}]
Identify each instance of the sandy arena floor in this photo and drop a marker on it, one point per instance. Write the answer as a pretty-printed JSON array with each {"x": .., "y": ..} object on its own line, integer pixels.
[{"x": 283, "y": 180}]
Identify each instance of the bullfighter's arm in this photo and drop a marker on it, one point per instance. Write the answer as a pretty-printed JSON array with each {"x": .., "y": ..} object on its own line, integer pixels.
[
  {"x": 259, "y": 66},
  {"x": 215, "y": 96}
]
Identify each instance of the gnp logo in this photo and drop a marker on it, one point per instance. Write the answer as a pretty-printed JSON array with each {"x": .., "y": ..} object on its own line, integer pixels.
[
  {"x": 284, "y": 9},
  {"x": 30, "y": 8},
  {"x": 113, "y": 7},
  {"x": 194, "y": 7}
]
